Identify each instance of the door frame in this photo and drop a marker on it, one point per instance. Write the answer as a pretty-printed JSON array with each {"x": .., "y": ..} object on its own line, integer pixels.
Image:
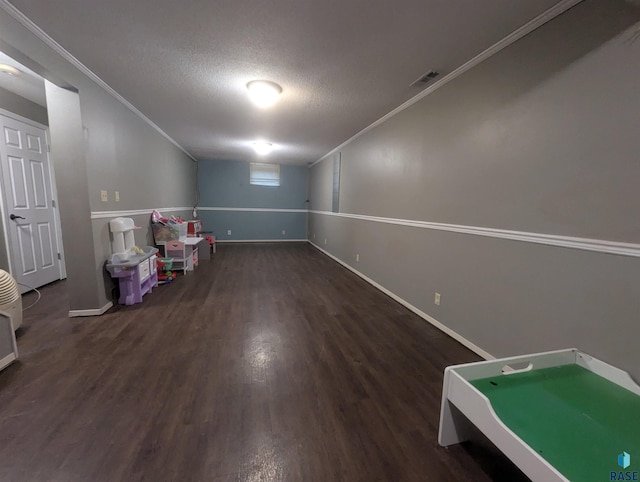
[{"x": 54, "y": 194}]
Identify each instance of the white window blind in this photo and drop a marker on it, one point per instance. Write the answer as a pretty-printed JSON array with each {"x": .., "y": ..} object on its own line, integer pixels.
[{"x": 261, "y": 174}]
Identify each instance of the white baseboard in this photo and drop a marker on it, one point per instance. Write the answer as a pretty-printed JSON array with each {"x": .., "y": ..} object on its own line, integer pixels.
[
  {"x": 95, "y": 312},
  {"x": 456, "y": 336},
  {"x": 252, "y": 210},
  {"x": 222, "y": 241},
  {"x": 10, "y": 358}
]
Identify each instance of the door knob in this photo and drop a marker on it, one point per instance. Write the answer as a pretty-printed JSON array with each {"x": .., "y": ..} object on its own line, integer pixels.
[{"x": 13, "y": 217}]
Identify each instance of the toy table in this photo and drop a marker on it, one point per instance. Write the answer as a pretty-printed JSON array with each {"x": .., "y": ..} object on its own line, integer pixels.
[{"x": 558, "y": 416}]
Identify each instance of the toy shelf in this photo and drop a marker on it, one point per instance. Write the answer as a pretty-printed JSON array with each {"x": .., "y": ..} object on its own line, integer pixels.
[{"x": 186, "y": 257}]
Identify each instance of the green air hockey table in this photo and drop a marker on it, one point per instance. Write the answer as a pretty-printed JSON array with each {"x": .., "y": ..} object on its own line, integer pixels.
[{"x": 559, "y": 416}]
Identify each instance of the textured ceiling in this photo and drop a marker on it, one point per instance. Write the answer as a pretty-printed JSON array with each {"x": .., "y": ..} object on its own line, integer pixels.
[{"x": 342, "y": 64}]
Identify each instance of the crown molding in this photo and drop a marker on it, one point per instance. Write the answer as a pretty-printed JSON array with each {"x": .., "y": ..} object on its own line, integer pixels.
[
  {"x": 516, "y": 35},
  {"x": 42, "y": 35}
]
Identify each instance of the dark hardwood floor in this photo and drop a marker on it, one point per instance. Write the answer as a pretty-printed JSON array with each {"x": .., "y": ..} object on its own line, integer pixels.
[{"x": 270, "y": 362}]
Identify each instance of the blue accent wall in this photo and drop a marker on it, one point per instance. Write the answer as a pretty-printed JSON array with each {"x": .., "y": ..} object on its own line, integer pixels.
[{"x": 225, "y": 184}]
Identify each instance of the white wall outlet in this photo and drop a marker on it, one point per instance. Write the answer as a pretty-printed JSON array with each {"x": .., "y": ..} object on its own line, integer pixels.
[
  {"x": 325, "y": 240},
  {"x": 284, "y": 232},
  {"x": 314, "y": 235},
  {"x": 104, "y": 196},
  {"x": 116, "y": 196},
  {"x": 228, "y": 232},
  {"x": 357, "y": 258},
  {"x": 436, "y": 299}
]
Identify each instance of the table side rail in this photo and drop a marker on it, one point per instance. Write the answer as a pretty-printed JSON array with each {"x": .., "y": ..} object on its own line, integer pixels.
[
  {"x": 478, "y": 410},
  {"x": 609, "y": 372},
  {"x": 492, "y": 368}
]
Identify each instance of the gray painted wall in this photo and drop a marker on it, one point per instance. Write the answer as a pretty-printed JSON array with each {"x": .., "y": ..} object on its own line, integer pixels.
[
  {"x": 67, "y": 149},
  {"x": 121, "y": 152},
  {"x": 225, "y": 184},
  {"x": 539, "y": 138},
  {"x": 24, "y": 107}
]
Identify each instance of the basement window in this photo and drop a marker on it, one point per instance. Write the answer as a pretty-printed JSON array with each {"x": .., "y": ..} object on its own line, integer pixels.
[{"x": 262, "y": 174}]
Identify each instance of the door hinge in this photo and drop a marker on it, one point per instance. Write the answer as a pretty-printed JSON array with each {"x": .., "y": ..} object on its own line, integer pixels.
[
  {"x": 59, "y": 257},
  {"x": 53, "y": 203},
  {"x": 48, "y": 148}
]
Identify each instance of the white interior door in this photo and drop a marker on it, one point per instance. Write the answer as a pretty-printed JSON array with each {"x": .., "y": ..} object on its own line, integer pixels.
[{"x": 28, "y": 203}]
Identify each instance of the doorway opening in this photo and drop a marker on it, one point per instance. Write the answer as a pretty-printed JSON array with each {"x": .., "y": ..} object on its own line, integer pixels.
[{"x": 30, "y": 225}]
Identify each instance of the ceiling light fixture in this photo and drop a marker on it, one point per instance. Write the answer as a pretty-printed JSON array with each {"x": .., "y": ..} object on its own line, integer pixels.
[
  {"x": 263, "y": 93},
  {"x": 262, "y": 147},
  {"x": 9, "y": 70}
]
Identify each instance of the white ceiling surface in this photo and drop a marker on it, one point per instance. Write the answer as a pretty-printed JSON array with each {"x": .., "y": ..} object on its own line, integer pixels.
[
  {"x": 26, "y": 84},
  {"x": 342, "y": 64}
]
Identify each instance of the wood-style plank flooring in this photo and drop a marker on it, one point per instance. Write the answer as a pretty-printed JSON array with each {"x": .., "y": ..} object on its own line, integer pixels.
[{"x": 270, "y": 362}]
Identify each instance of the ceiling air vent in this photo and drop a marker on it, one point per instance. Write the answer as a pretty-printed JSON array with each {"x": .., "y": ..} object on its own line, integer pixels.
[{"x": 426, "y": 78}]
